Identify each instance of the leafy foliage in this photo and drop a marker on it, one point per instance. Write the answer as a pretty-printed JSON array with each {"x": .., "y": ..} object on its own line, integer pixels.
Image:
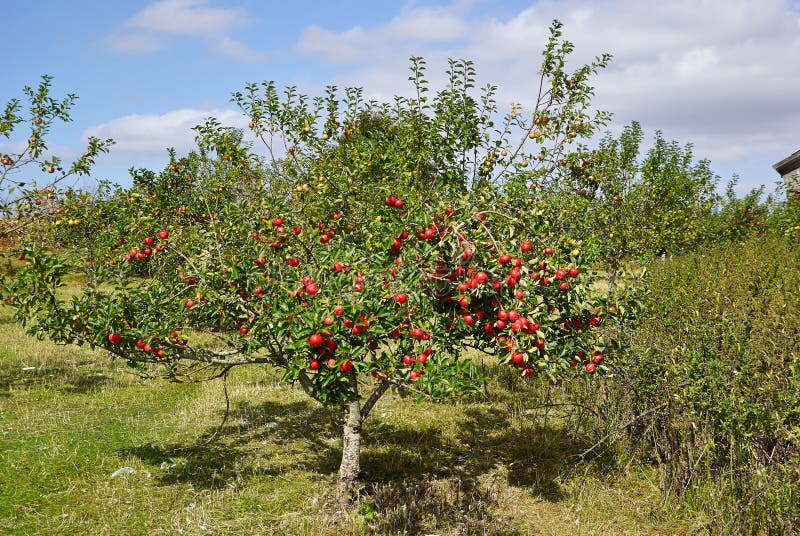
[
  {"x": 644, "y": 208},
  {"x": 21, "y": 197},
  {"x": 717, "y": 352},
  {"x": 359, "y": 202}
]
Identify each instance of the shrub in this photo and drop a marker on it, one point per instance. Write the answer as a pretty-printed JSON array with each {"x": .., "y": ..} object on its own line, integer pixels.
[{"x": 715, "y": 360}]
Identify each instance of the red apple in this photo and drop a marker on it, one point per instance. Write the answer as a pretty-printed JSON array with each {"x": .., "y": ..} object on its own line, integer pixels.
[{"x": 315, "y": 339}]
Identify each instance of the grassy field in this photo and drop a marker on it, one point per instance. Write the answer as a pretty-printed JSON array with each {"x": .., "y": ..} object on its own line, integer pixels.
[{"x": 493, "y": 464}]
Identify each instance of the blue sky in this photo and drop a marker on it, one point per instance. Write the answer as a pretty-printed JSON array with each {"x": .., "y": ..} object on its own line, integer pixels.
[{"x": 723, "y": 75}]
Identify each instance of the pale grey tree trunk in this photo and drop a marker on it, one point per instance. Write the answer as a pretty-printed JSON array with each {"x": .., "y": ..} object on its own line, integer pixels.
[
  {"x": 612, "y": 275},
  {"x": 351, "y": 442},
  {"x": 351, "y": 453}
]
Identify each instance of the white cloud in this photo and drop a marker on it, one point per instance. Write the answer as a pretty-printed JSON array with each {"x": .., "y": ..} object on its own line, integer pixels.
[
  {"x": 696, "y": 62},
  {"x": 186, "y": 18},
  {"x": 236, "y": 50},
  {"x": 723, "y": 74},
  {"x": 145, "y": 136},
  {"x": 128, "y": 43},
  {"x": 413, "y": 28}
]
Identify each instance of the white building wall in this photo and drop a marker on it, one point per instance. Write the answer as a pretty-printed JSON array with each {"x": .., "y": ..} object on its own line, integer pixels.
[{"x": 792, "y": 180}]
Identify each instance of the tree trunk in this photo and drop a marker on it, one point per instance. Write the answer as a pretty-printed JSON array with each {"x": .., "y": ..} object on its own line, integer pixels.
[
  {"x": 351, "y": 442},
  {"x": 612, "y": 275},
  {"x": 351, "y": 453}
]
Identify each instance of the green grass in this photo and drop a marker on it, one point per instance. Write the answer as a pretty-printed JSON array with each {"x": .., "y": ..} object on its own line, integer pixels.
[{"x": 494, "y": 464}]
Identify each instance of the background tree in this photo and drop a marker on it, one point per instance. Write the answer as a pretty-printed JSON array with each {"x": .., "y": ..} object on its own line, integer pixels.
[
  {"x": 20, "y": 193},
  {"x": 641, "y": 209}
]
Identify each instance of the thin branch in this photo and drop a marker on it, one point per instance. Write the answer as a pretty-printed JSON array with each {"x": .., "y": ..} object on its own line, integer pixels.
[
  {"x": 213, "y": 436},
  {"x": 407, "y": 387},
  {"x": 619, "y": 429}
]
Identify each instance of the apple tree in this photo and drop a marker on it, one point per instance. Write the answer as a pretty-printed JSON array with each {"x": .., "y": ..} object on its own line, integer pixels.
[
  {"x": 30, "y": 176},
  {"x": 637, "y": 208},
  {"x": 367, "y": 247}
]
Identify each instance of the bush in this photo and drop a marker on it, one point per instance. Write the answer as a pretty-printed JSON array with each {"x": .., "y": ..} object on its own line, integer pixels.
[{"x": 714, "y": 363}]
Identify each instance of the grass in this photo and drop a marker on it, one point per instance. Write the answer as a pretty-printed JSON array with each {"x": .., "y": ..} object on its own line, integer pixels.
[{"x": 493, "y": 464}]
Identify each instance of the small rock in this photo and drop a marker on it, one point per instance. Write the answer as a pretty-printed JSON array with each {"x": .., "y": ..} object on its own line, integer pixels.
[
  {"x": 123, "y": 471},
  {"x": 272, "y": 425}
]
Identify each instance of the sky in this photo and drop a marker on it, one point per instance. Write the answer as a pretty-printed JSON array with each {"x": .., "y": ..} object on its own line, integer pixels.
[{"x": 723, "y": 75}]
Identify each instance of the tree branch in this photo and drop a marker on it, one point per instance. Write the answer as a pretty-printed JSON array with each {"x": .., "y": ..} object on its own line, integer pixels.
[
  {"x": 374, "y": 397},
  {"x": 308, "y": 387}
]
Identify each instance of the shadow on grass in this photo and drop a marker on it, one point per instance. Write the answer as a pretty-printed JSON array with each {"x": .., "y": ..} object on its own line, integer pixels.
[
  {"x": 535, "y": 457},
  {"x": 426, "y": 506},
  {"x": 231, "y": 455},
  {"x": 415, "y": 479},
  {"x": 62, "y": 378}
]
